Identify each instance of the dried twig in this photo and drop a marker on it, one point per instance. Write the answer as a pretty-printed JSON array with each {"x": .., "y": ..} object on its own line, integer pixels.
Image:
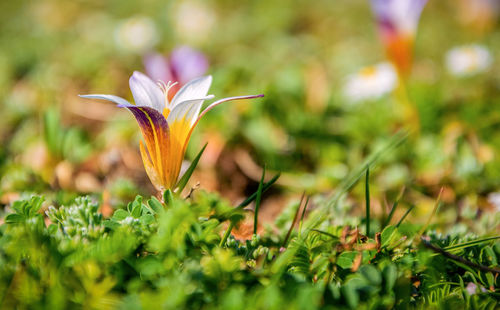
[
  {"x": 191, "y": 191},
  {"x": 294, "y": 220}
]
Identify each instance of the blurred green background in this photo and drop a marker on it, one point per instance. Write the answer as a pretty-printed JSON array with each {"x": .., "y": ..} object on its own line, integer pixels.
[{"x": 298, "y": 53}]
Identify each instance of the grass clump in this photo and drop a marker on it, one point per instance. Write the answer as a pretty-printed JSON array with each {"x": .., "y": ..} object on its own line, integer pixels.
[{"x": 152, "y": 255}]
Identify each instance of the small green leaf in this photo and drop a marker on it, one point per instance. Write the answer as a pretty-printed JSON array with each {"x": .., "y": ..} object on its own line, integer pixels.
[
  {"x": 386, "y": 235},
  {"x": 390, "y": 273},
  {"x": 371, "y": 274},
  {"x": 52, "y": 229},
  {"x": 120, "y": 215},
  {"x": 490, "y": 279},
  {"x": 168, "y": 197},
  {"x": 111, "y": 224},
  {"x": 346, "y": 259},
  {"x": 35, "y": 203},
  {"x": 14, "y": 218},
  {"x": 155, "y": 205},
  {"x": 187, "y": 175},
  {"x": 147, "y": 219},
  {"x": 19, "y": 206},
  {"x": 136, "y": 211},
  {"x": 335, "y": 290},
  {"x": 350, "y": 294},
  {"x": 489, "y": 256}
]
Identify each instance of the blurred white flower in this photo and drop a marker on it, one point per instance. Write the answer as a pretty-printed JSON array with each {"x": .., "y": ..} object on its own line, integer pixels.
[
  {"x": 494, "y": 199},
  {"x": 371, "y": 82},
  {"x": 468, "y": 60},
  {"x": 137, "y": 34},
  {"x": 193, "y": 20}
]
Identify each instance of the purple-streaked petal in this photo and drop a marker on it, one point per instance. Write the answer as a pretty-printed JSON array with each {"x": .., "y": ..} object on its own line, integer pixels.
[
  {"x": 398, "y": 15},
  {"x": 157, "y": 67},
  {"x": 195, "y": 89},
  {"x": 112, "y": 98},
  {"x": 146, "y": 92},
  {"x": 156, "y": 133},
  {"x": 187, "y": 63}
]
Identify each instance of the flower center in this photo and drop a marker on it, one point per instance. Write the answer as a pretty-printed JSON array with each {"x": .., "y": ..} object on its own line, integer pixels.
[
  {"x": 473, "y": 58},
  {"x": 368, "y": 72},
  {"x": 165, "y": 88}
]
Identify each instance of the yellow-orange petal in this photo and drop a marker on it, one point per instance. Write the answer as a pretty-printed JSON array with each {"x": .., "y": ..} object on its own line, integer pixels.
[
  {"x": 179, "y": 134},
  {"x": 399, "y": 50},
  {"x": 150, "y": 169}
]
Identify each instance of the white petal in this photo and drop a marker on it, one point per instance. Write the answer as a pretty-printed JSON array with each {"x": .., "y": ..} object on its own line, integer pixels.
[
  {"x": 189, "y": 109},
  {"x": 146, "y": 92},
  {"x": 195, "y": 89},
  {"x": 115, "y": 99}
]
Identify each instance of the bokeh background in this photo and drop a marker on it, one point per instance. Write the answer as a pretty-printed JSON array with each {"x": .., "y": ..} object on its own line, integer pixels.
[{"x": 298, "y": 53}]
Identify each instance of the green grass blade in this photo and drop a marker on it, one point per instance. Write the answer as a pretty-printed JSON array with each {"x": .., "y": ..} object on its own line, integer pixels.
[
  {"x": 394, "y": 207},
  {"x": 469, "y": 243},
  {"x": 326, "y": 234},
  {"x": 265, "y": 187},
  {"x": 434, "y": 211},
  {"x": 405, "y": 215},
  {"x": 226, "y": 234},
  {"x": 354, "y": 176},
  {"x": 187, "y": 175},
  {"x": 52, "y": 132},
  {"x": 391, "y": 214},
  {"x": 367, "y": 200},
  {"x": 257, "y": 201}
]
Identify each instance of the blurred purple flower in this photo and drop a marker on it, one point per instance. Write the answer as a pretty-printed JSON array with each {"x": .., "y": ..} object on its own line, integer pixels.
[
  {"x": 471, "y": 288},
  {"x": 185, "y": 64},
  {"x": 397, "y": 23},
  {"x": 397, "y": 17}
]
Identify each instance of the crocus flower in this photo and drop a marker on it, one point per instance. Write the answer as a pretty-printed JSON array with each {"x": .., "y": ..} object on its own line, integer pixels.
[
  {"x": 397, "y": 23},
  {"x": 166, "y": 125},
  {"x": 371, "y": 82},
  {"x": 185, "y": 64},
  {"x": 468, "y": 60}
]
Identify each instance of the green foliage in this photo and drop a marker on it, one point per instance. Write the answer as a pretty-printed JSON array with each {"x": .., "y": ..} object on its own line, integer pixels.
[
  {"x": 155, "y": 255},
  {"x": 64, "y": 143},
  {"x": 181, "y": 254}
]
